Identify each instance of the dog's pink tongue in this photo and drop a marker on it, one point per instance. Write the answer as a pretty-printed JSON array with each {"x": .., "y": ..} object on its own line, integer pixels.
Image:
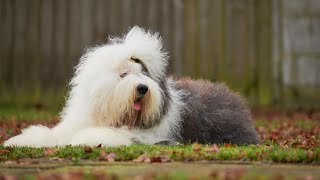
[{"x": 137, "y": 106}]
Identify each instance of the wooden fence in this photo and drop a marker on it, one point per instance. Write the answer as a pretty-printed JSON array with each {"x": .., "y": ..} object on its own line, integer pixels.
[{"x": 231, "y": 41}]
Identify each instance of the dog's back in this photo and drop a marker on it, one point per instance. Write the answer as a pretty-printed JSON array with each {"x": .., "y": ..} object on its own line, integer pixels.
[{"x": 214, "y": 114}]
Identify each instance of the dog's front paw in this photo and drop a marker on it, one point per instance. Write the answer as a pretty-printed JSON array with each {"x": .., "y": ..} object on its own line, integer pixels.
[
  {"x": 34, "y": 136},
  {"x": 97, "y": 136},
  {"x": 16, "y": 141}
]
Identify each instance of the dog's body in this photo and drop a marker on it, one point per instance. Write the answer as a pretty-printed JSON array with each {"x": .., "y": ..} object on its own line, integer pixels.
[{"x": 120, "y": 95}]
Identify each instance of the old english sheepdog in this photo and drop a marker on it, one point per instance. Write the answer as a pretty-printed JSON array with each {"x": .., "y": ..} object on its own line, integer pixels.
[{"x": 121, "y": 94}]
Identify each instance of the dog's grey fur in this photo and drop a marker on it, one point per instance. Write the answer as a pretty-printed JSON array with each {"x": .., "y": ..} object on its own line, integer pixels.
[{"x": 214, "y": 114}]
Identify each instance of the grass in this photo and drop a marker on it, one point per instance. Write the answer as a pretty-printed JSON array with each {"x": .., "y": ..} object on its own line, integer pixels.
[
  {"x": 192, "y": 152},
  {"x": 285, "y": 139},
  {"x": 283, "y": 149}
]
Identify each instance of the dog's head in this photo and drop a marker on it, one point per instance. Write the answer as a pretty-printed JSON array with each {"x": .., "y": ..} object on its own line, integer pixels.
[{"x": 123, "y": 83}]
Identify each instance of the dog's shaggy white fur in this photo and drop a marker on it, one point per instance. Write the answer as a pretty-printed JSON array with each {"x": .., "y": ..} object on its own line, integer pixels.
[{"x": 120, "y": 95}]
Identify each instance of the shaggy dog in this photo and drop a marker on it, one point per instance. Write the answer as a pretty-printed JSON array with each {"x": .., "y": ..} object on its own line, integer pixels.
[{"x": 120, "y": 95}]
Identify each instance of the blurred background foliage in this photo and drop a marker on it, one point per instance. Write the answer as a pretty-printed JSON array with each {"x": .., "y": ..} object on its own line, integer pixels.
[{"x": 268, "y": 50}]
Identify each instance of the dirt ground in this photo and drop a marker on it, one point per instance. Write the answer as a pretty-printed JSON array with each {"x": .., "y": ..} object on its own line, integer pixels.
[{"x": 176, "y": 170}]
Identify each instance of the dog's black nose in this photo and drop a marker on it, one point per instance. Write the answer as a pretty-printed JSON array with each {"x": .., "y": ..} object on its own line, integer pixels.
[{"x": 142, "y": 89}]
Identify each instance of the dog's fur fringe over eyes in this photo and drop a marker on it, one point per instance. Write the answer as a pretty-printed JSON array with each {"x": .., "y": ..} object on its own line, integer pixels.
[{"x": 105, "y": 105}]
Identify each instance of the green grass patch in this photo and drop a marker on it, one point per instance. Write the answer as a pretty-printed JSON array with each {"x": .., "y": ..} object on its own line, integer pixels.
[
  {"x": 285, "y": 140},
  {"x": 193, "y": 152}
]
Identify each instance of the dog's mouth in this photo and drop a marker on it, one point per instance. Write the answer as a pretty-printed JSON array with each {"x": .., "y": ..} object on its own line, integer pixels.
[{"x": 137, "y": 105}]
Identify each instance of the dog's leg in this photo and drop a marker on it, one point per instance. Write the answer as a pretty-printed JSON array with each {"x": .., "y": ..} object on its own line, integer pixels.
[
  {"x": 34, "y": 136},
  {"x": 103, "y": 136},
  {"x": 65, "y": 130}
]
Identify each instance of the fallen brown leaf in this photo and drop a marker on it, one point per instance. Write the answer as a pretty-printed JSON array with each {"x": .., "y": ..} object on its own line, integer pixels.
[
  {"x": 213, "y": 148},
  {"x": 4, "y": 151},
  {"x": 196, "y": 147},
  {"x": 161, "y": 159},
  {"x": 88, "y": 149},
  {"x": 110, "y": 156},
  {"x": 142, "y": 158},
  {"x": 228, "y": 145},
  {"x": 50, "y": 151}
]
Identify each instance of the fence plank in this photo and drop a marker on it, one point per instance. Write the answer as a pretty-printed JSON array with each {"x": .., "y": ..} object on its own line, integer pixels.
[
  {"x": 263, "y": 22},
  {"x": 33, "y": 45},
  {"x": 190, "y": 37},
  {"x": 46, "y": 42},
  {"x": 87, "y": 23},
  {"x": 249, "y": 87},
  {"x": 276, "y": 49},
  {"x": 60, "y": 45},
  {"x": 167, "y": 28},
  {"x": 127, "y": 12},
  {"x": 74, "y": 38},
  {"x": 113, "y": 22},
  {"x": 7, "y": 43},
  {"x": 2, "y": 20},
  {"x": 101, "y": 22},
  {"x": 235, "y": 41},
  {"x": 19, "y": 45},
  {"x": 178, "y": 36},
  {"x": 221, "y": 43},
  {"x": 216, "y": 38},
  {"x": 152, "y": 18},
  {"x": 204, "y": 56}
]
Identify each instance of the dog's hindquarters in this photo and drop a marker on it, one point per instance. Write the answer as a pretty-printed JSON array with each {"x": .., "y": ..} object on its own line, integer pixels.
[{"x": 214, "y": 114}]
